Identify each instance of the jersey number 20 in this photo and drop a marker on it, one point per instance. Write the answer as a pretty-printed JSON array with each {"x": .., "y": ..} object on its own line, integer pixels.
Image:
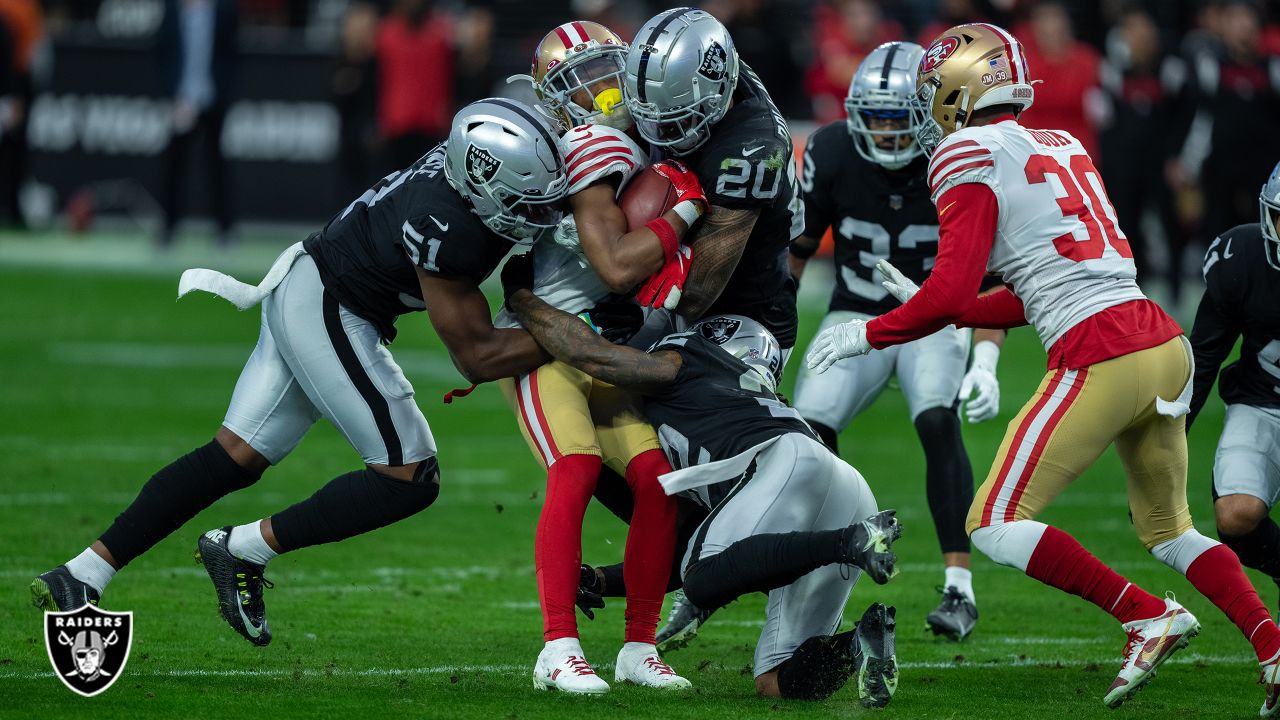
[{"x": 1093, "y": 214}]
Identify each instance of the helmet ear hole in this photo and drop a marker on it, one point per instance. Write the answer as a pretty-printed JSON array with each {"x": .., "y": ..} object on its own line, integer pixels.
[{"x": 951, "y": 98}]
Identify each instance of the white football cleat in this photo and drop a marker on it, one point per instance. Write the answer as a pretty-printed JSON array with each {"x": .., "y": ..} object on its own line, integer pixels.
[
  {"x": 1150, "y": 643},
  {"x": 562, "y": 666},
  {"x": 640, "y": 664},
  {"x": 1270, "y": 679}
]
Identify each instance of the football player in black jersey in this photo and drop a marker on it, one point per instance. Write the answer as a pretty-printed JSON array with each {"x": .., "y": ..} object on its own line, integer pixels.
[
  {"x": 784, "y": 512},
  {"x": 864, "y": 179},
  {"x": 422, "y": 238},
  {"x": 1242, "y": 300},
  {"x": 691, "y": 97}
]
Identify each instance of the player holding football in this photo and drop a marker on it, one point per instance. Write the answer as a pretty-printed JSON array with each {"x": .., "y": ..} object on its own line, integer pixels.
[
  {"x": 1242, "y": 298},
  {"x": 864, "y": 178},
  {"x": 573, "y": 424},
  {"x": 1029, "y": 205},
  {"x": 422, "y": 238}
]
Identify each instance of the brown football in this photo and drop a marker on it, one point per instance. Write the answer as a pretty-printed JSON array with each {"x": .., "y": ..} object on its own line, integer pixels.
[{"x": 646, "y": 197}]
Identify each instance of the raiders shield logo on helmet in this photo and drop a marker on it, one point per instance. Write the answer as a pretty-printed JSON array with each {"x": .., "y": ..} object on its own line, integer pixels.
[
  {"x": 714, "y": 63},
  {"x": 88, "y": 647},
  {"x": 720, "y": 330},
  {"x": 482, "y": 166}
]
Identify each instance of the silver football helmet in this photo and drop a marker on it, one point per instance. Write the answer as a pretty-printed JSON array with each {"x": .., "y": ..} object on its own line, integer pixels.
[
  {"x": 879, "y": 103},
  {"x": 682, "y": 70},
  {"x": 1269, "y": 205},
  {"x": 746, "y": 340},
  {"x": 504, "y": 158}
]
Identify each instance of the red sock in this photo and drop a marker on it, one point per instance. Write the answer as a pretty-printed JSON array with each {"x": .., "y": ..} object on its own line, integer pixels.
[
  {"x": 651, "y": 542},
  {"x": 1218, "y": 576},
  {"x": 1060, "y": 561},
  {"x": 557, "y": 548}
]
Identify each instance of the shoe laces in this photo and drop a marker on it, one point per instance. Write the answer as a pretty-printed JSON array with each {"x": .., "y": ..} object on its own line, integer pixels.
[
  {"x": 655, "y": 664},
  {"x": 951, "y": 598},
  {"x": 1132, "y": 642},
  {"x": 579, "y": 665},
  {"x": 251, "y": 585}
]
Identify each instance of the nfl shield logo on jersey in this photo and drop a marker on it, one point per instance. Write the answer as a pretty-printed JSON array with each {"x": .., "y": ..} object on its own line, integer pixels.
[
  {"x": 714, "y": 63},
  {"x": 88, "y": 647},
  {"x": 720, "y": 330},
  {"x": 481, "y": 165}
]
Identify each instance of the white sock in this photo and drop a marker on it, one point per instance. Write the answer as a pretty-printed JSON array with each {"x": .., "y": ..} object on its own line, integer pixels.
[
  {"x": 565, "y": 646},
  {"x": 962, "y": 580},
  {"x": 246, "y": 542},
  {"x": 89, "y": 568}
]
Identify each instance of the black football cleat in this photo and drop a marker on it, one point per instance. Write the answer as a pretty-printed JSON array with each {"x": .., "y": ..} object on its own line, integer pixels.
[
  {"x": 877, "y": 659},
  {"x": 239, "y": 586},
  {"x": 682, "y": 623},
  {"x": 59, "y": 591},
  {"x": 955, "y": 617},
  {"x": 869, "y": 545}
]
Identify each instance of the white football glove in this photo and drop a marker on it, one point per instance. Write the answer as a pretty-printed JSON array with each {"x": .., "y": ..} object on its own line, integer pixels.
[
  {"x": 980, "y": 390},
  {"x": 836, "y": 343},
  {"x": 566, "y": 235},
  {"x": 900, "y": 286}
]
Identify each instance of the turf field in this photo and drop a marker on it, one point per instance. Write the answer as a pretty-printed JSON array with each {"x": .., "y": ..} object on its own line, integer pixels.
[{"x": 106, "y": 379}]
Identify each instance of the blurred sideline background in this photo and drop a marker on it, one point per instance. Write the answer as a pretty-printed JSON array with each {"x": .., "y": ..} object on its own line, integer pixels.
[{"x": 153, "y": 134}]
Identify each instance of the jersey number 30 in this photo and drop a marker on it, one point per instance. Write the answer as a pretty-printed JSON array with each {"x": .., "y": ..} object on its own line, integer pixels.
[{"x": 1093, "y": 214}]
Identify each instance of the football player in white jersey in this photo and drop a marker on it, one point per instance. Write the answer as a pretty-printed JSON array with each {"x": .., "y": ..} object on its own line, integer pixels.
[
  {"x": 1029, "y": 206},
  {"x": 573, "y": 424}
]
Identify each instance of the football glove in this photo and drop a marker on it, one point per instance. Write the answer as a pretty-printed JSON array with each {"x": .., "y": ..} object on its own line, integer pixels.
[
  {"x": 900, "y": 286},
  {"x": 664, "y": 288},
  {"x": 836, "y": 343},
  {"x": 691, "y": 201},
  {"x": 980, "y": 390},
  {"x": 517, "y": 274}
]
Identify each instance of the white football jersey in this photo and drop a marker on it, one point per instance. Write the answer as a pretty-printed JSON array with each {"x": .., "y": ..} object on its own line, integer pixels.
[
  {"x": 562, "y": 277},
  {"x": 1058, "y": 243}
]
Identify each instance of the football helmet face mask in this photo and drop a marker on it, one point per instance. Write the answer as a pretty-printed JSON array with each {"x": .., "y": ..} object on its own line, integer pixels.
[
  {"x": 879, "y": 103},
  {"x": 503, "y": 157},
  {"x": 577, "y": 75},
  {"x": 1269, "y": 205},
  {"x": 967, "y": 68},
  {"x": 748, "y": 341},
  {"x": 680, "y": 76}
]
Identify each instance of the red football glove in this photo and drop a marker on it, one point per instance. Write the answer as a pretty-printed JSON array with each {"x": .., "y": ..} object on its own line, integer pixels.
[
  {"x": 663, "y": 288},
  {"x": 685, "y": 183}
]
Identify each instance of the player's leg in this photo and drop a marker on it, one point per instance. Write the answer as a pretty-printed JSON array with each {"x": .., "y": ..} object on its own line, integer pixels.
[
  {"x": 551, "y": 409},
  {"x": 828, "y": 402},
  {"x": 930, "y": 371},
  {"x": 188, "y": 485},
  {"x": 1246, "y": 483}
]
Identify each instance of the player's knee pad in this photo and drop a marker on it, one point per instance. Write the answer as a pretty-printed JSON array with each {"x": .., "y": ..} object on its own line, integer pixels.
[
  {"x": 1010, "y": 544},
  {"x": 818, "y": 668},
  {"x": 1183, "y": 550}
]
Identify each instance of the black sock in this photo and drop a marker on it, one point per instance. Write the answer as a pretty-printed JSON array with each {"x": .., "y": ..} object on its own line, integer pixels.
[
  {"x": 174, "y": 495},
  {"x": 759, "y": 563},
  {"x": 353, "y": 504},
  {"x": 819, "y": 667},
  {"x": 948, "y": 476},
  {"x": 827, "y": 435},
  {"x": 1259, "y": 549}
]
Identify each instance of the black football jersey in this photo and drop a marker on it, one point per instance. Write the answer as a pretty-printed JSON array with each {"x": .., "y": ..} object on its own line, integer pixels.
[
  {"x": 716, "y": 408},
  {"x": 873, "y": 214},
  {"x": 747, "y": 163},
  {"x": 366, "y": 254},
  {"x": 1241, "y": 299}
]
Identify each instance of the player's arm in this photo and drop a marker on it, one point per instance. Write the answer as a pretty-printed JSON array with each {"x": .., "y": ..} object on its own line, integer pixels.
[
  {"x": 461, "y": 317},
  {"x": 720, "y": 240},
  {"x": 1212, "y": 337},
  {"x": 568, "y": 339},
  {"x": 816, "y": 189},
  {"x": 802, "y": 248}
]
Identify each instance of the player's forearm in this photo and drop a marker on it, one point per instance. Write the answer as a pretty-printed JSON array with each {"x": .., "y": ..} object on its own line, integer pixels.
[
  {"x": 994, "y": 312},
  {"x": 991, "y": 335},
  {"x": 721, "y": 242},
  {"x": 802, "y": 248},
  {"x": 1212, "y": 338},
  {"x": 629, "y": 258},
  {"x": 504, "y": 353}
]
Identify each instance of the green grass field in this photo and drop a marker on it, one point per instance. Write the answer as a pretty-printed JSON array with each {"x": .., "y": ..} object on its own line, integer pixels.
[{"x": 106, "y": 379}]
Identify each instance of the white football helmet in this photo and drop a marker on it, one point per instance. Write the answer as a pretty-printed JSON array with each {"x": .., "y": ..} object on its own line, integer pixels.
[
  {"x": 1269, "y": 205},
  {"x": 746, "y": 340}
]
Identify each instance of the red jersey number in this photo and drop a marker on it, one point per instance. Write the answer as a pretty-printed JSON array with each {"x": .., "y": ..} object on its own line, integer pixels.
[{"x": 1093, "y": 214}]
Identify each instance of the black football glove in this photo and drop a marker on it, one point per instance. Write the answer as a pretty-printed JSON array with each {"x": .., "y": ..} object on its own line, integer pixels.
[
  {"x": 517, "y": 274},
  {"x": 589, "y": 599}
]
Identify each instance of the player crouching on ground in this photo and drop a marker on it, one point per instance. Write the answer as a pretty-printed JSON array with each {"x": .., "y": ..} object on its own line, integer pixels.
[
  {"x": 784, "y": 510},
  {"x": 1119, "y": 367},
  {"x": 573, "y": 424}
]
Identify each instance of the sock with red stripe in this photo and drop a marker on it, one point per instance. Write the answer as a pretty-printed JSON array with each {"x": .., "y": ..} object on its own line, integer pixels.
[
  {"x": 1060, "y": 561},
  {"x": 1218, "y": 576},
  {"x": 557, "y": 547},
  {"x": 651, "y": 542}
]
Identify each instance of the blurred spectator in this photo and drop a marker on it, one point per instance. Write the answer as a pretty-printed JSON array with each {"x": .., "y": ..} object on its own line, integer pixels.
[
  {"x": 1069, "y": 69},
  {"x": 355, "y": 94},
  {"x": 756, "y": 26},
  {"x": 609, "y": 14},
  {"x": 955, "y": 12},
  {"x": 197, "y": 47},
  {"x": 416, "y": 98},
  {"x": 843, "y": 33},
  {"x": 473, "y": 38},
  {"x": 1141, "y": 86},
  {"x": 24, "y": 21}
]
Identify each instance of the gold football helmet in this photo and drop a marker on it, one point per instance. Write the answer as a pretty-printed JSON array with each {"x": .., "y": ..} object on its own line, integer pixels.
[
  {"x": 577, "y": 74},
  {"x": 967, "y": 68}
]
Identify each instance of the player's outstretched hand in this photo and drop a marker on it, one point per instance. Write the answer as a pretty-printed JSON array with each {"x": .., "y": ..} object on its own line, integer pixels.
[
  {"x": 900, "y": 286},
  {"x": 517, "y": 274},
  {"x": 664, "y": 288},
  {"x": 980, "y": 390},
  {"x": 836, "y": 343},
  {"x": 685, "y": 183}
]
